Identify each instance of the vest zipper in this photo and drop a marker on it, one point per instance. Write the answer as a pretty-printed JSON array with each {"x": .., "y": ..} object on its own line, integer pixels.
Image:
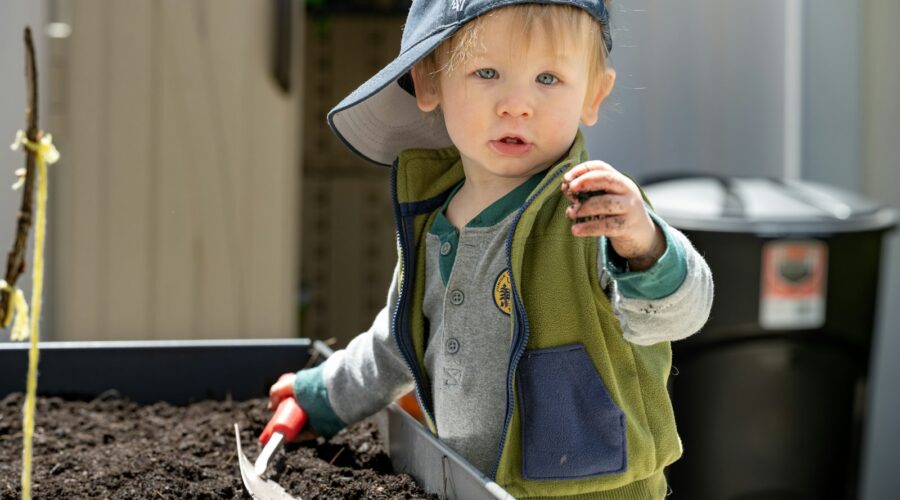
[
  {"x": 401, "y": 309},
  {"x": 520, "y": 329}
]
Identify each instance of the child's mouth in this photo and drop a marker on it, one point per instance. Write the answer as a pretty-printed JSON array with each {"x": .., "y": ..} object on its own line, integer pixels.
[{"x": 511, "y": 146}]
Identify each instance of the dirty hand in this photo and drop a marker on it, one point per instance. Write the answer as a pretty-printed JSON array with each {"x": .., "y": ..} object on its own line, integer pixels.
[
  {"x": 615, "y": 209},
  {"x": 284, "y": 388}
]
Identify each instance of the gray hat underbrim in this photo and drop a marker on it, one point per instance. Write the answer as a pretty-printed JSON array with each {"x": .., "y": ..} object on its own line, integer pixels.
[
  {"x": 380, "y": 119},
  {"x": 381, "y": 104}
]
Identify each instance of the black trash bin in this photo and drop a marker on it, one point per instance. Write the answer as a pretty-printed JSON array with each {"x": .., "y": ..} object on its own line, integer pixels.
[{"x": 769, "y": 396}]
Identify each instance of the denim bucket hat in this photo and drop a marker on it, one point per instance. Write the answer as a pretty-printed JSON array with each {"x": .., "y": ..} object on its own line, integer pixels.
[{"x": 380, "y": 119}]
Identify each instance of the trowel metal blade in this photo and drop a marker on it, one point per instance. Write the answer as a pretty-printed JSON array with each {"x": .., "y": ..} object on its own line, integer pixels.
[{"x": 259, "y": 488}]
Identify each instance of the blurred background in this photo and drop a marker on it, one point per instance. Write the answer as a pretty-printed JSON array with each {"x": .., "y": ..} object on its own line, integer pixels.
[{"x": 201, "y": 195}]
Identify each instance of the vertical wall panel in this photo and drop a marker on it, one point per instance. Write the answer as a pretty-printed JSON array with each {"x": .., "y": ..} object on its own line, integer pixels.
[
  {"x": 349, "y": 249},
  {"x": 700, "y": 87},
  {"x": 207, "y": 163},
  {"x": 271, "y": 195},
  {"x": 127, "y": 167},
  {"x": 349, "y": 252},
  {"x": 177, "y": 208},
  {"x": 181, "y": 221},
  {"x": 77, "y": 210},
  {"x": 881, "y": 180},
  {"x": 831, "y": 92}
]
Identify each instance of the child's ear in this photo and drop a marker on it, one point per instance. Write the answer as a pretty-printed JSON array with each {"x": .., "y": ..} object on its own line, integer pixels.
[
  {"x": 596, "y": 96},
  {"x": 427, "y": 98}
]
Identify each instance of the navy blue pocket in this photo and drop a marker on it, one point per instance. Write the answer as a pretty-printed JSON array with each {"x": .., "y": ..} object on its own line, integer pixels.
[{"x": 571, "y": 427}]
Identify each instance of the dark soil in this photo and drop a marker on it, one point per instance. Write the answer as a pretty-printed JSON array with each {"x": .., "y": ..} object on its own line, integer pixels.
[{"x": 116, "y": 449}]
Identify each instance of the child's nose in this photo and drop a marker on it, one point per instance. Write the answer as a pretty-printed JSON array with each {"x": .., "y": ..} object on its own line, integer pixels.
[{"x": 514, "y": 105}]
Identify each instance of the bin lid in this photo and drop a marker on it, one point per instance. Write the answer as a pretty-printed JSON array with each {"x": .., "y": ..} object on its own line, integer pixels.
[{"x": 764, "y": 205}]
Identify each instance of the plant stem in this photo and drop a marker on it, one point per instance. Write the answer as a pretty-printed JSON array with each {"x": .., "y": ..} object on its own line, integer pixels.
[
  {"x": 31, "y": 114},
  {"x": 15, "y": 258}
]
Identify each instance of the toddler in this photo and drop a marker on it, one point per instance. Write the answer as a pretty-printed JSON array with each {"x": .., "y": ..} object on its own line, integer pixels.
[{"x": 536, "y": 292}]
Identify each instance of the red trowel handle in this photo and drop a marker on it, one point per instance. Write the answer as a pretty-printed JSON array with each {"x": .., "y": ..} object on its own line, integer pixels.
[{"x": 289, "y": 419}]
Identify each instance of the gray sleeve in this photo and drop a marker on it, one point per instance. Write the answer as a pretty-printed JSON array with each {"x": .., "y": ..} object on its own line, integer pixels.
[
  {"x": 673, "y": 317},
  {"x": 369, "y": 373}
]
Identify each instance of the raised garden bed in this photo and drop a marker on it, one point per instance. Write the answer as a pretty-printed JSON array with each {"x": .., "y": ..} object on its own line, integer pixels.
[{"x": 155, "y": 420}]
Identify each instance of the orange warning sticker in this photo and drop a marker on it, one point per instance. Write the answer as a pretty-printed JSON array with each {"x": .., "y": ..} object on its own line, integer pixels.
[{"x": 792, "y": 292}]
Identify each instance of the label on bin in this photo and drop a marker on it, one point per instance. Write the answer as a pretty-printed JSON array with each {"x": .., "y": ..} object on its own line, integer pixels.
[{"x": 792, "y": 292}]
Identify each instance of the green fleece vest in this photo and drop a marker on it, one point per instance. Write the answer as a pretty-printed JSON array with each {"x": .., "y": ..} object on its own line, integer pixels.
[{"x": 588, "y": 414}]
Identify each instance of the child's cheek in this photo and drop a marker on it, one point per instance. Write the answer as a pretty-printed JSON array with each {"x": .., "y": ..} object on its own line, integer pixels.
[{"x": 562, "y": 127}]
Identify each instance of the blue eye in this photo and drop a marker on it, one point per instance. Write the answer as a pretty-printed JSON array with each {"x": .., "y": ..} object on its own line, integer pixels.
[
  {"x": 546, "y": 79},
  {"x": 486, "y": 73}
]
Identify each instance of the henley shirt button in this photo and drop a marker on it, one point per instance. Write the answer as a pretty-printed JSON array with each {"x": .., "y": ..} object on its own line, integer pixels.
[
  {"x": 456, "y": 297},
  {"x": 446, "y": 247},
  {"x": 452, "y": 346}
]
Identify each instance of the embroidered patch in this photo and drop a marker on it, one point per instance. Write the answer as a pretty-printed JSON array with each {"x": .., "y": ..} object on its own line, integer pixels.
[{"x": 503, "y": 293}]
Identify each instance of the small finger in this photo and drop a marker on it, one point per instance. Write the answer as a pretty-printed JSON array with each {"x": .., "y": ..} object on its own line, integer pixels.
[
  {"x": 597, "y": 180},
  {"x": 609, "y": 204},
  {"x": 584, "y": 196},
  {"x": 571, "y": 195},
  {"x": 278, "y": 392},
  {"x": 583, "y": 168},
  {"x": 273, "y": 402},
  {"x": 599, "y": 225}
]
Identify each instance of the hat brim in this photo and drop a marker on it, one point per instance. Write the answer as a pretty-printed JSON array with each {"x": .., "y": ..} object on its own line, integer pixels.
[{"x": 380, "y": 119}]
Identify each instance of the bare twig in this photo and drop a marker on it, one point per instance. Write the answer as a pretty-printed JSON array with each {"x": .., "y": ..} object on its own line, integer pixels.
[
  {"x": 15, "y": 258},
  {"x": 314, "y": 358},
  {"x": 336, "y": 455}
]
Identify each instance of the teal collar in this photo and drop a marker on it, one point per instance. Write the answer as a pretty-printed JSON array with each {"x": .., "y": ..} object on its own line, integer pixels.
[{"x": 491, "y": 215}]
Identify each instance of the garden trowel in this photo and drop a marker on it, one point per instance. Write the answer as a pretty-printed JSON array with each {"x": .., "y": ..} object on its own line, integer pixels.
[
  {"x": 259, "y": 488},
  {"x": 288, "y": 420}
]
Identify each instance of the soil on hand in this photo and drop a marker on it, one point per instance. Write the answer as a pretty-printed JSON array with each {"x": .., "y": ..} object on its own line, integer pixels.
[{"x": 114, "y": 448}]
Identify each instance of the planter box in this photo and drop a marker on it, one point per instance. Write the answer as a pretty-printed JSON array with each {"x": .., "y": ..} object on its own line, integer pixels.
[{"x": 181, "y": 372}]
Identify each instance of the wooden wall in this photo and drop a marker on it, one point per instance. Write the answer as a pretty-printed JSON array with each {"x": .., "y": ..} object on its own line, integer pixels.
[
  {"x": 175, "y": 211},
  {"x": 349, "y": 247}
]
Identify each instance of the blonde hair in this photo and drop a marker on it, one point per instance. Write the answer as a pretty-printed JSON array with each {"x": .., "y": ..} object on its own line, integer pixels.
[{"x": 555, "y": 19}]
